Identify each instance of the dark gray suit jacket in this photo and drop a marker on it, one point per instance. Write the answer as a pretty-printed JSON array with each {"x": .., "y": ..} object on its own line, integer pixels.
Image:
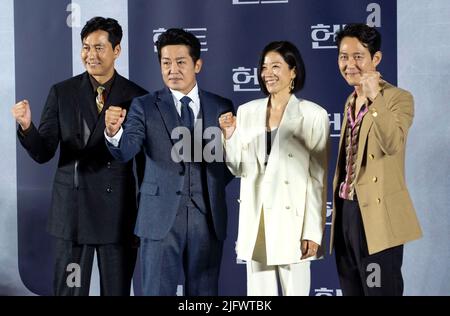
[{"x": 94, "y": 196}]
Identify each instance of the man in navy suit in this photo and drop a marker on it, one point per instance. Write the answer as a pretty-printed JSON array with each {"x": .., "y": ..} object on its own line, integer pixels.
[{"x": 182, "y": 214}]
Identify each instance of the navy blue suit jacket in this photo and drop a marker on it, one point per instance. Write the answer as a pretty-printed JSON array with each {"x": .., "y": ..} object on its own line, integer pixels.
[{"x": 149, "y": 124}]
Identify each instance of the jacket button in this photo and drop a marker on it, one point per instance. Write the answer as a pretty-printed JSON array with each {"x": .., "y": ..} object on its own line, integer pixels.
[
  {"x": 378, "y": 201},
  {"x": 375, "y": 179},
  {"x": 288, "y": 207},
  {"x": 291, "y": 155},
  {"x": 109, "y": 165},
  {"x": 286, "y": 182},
  {"x": 239, "y": 201},
  {"x": 372, "y": 157},
  {"x": 374, "y": 112},
  {"x": 109, "y": 190}
]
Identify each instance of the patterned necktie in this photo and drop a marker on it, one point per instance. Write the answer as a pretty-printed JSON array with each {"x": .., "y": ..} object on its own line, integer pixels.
[
  {"x": 187, "y": 115},
  {"x": 100, "y": 100}
]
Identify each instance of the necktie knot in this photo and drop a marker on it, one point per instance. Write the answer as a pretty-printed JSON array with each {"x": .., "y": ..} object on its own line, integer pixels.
[
  {"x": 186, "y": 100},
  {"x": 100, "y": 100}
]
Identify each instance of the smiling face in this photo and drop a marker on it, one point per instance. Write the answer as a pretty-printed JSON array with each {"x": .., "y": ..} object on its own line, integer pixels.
[
  {"x": 354, "y": 60},
  {"x": 276, "y": 74},
  {"x": 178, "y": 68},
  {"x": 98, "y": 56}
]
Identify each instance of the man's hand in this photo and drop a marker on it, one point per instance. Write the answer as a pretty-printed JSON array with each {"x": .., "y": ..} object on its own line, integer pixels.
[
  {"x": 114, "y": 118},
  {"x": 22, "y": 114},
  {"x": 370, "y": 84},
  {"x": 309, "y": 249},
  {"x": 227, "y": 123}
]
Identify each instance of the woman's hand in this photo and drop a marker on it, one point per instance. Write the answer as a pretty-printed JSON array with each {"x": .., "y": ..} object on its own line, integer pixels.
[
  {"x": 227, "y": 123},
  {"x": 309, "y": 249}
]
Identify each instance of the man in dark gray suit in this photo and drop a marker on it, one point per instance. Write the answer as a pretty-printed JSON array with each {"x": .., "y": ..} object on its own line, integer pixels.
[
  {"x": 182, "y": 215},
  {"x": 94, "y": 197}
]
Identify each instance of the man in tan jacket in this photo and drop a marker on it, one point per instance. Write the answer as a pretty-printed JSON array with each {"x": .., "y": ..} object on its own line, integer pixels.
[{"x": 373, "y": 214}]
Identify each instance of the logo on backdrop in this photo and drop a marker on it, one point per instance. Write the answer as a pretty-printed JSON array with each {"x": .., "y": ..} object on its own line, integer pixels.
[
  {"x": 323, "y": 291},
  {"x": 200, "y": 33},
  {"x": 329, "y": 212},
  {"x": 324, "y": 36},
  {"x": 245, "y": 79},
  {"x": 237, "y": 2},
  {"x": 335, "y": 124}
]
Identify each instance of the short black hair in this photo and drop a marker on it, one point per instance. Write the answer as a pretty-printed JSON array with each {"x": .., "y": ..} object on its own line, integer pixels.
[
  {"x": 368, "y": 36},
  {"x": 291, "y": 56},
  {"x": 111, "y": 26},
  {"x": 179, "y": 37}
]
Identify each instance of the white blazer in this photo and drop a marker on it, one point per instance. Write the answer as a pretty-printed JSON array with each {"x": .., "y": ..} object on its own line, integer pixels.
[{"x": 291, "y": 188}]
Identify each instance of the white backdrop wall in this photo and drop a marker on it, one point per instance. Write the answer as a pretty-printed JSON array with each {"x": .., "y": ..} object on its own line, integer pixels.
[{"x": 424, "y": 69}]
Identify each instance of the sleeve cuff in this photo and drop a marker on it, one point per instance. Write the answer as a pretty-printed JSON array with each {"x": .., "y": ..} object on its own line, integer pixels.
[
  {"x": 115, "y": 140},
  {"x": 23, "y": 133}
]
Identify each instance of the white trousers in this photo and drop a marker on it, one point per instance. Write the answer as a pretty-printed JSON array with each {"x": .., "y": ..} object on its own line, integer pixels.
[{"x": 262, "y": 280}]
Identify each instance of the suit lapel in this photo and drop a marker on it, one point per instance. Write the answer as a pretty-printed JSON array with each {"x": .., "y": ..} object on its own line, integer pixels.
[
  {"x": 259, "y": 132},
  {"x": 341, "y": 143},
  {"x": 86, "y": 104},
  {"x": 364, "y": 134},
  {"x": 168, "y": 111},
  {"x": 290, "y": 122},
  {"x": 209, "y": 109},
  {"x": 115, "y": 98}
]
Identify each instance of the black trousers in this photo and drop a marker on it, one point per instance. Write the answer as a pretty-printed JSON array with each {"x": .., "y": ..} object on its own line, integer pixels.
[
  {"x": 116, "y": 264},
  {"x": 361, "y": 274}
]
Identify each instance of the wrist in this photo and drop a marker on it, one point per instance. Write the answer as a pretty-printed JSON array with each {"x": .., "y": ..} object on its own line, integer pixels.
[
  {"x": 25, "y": 127},
  {"x": 373, "y": 96},
  {"x": 111, "y": 133}
]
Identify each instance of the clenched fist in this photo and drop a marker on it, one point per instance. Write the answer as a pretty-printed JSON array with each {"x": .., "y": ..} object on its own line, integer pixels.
[
  {"x": 22, "y": 114},
  {"x": 114, "y": 118},
  {"x": 370, "y": 84},
  {"x": 227, "y": 123}
]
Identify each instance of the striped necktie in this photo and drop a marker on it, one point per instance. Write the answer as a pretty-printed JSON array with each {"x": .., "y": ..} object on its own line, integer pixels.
[{"x": 100, "y": 100}]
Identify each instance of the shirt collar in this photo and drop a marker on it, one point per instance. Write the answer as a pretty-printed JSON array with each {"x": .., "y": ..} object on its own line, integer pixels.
[
  {"x": 107, "y": 85},
  {"x": 193, "y": 95}
]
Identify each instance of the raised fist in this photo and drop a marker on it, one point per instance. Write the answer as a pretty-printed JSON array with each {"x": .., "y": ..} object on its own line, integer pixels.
[
  {"x": 22, "y": 114},
  {"x": 114, "y": 118},
  {"x": 227, "y": 123}
]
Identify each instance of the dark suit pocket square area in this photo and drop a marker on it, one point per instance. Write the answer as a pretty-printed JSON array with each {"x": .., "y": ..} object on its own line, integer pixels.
[{"x": 149, "y": 188}]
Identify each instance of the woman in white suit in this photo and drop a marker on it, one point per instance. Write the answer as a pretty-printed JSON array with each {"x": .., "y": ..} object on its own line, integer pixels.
[{"x": 278, "y": 147}]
